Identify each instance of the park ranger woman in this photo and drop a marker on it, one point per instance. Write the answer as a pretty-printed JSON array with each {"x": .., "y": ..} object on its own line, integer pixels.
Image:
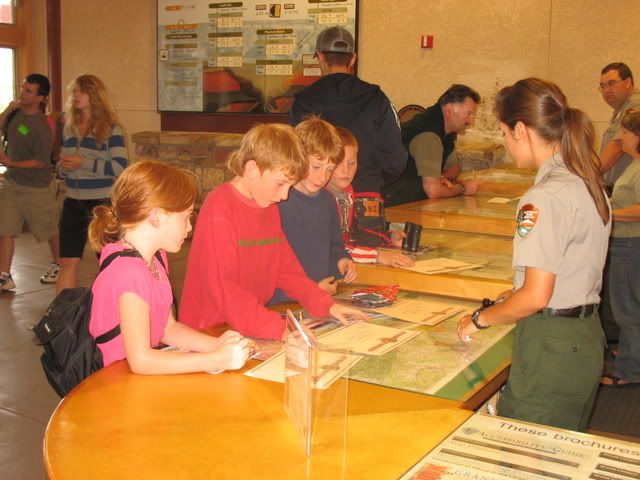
[{"x": 559, "y": 251}]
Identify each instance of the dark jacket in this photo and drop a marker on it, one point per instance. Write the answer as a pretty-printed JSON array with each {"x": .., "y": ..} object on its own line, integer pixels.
[
  {"x": 408, "y": 188},
  {"x": 346, "y": 101}
]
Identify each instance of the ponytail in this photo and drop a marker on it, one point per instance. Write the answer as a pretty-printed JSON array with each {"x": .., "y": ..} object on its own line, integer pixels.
[
  {"x": 542, "y": 106},
  {"x": 580, "y": 158},
  {"x": 104, "y": 227}
]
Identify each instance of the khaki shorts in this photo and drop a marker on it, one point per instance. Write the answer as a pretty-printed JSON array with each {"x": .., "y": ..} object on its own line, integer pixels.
[{"x": 35, "y": 205}]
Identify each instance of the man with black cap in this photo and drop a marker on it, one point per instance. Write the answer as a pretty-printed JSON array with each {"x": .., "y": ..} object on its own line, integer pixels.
[{"x": 344, "y": 100}]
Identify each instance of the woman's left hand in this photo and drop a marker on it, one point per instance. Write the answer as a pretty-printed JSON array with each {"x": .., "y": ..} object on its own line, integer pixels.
[
  {"x": 343, "y": 313},
  {"x": 70, "y": 162},
  {"x": 466, "y": 329}
]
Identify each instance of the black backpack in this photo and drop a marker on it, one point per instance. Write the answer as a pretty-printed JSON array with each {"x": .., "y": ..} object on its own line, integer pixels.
[{"x": 71, "y": 354}]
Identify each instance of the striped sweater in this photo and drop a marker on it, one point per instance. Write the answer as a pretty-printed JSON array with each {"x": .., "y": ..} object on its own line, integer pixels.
[{"x": 100, "y": 167}]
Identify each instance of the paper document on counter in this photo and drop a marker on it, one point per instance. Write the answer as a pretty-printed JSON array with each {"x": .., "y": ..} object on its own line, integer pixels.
[
  {"x": 422, "y": 312},
  {"x": 434, "y": 266},
  {"x": 365, "y": 338}
]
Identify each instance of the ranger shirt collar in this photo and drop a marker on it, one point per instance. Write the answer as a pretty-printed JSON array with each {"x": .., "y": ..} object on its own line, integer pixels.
[{"x": 554, "y": 161}]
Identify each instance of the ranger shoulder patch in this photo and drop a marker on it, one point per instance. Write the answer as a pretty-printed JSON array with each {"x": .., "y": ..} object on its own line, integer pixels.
[{"x": 527, "y": 218}]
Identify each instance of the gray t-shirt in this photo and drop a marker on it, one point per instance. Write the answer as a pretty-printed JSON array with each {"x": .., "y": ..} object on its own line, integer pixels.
[
  {"x": 29, "y": 137},
  {"x": 626, "y": 193},
  {"x": 611, "y": 175},
  {"x": 560, "y": 231},
  {"x": 427, "y": 149}
]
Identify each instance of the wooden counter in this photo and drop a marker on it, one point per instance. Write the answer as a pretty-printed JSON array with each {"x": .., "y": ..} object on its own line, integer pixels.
[
  {"x": 471, "y": 213},
  {"x": 200, "y": 426},
  {"x": 504, "y": 179},
  {"x": 493, "y": 252}
]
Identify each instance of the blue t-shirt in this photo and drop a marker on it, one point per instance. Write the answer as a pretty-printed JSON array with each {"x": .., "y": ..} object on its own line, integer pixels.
[{"x": 312, "y": 227}]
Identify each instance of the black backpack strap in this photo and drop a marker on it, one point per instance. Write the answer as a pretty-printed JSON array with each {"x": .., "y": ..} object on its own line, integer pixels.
[
  {"x": 5, "y": 127},
  {"x": 122, "y": 253},
  {"x": 115, "y": 331},
  {"x": 110, "y": 335}
]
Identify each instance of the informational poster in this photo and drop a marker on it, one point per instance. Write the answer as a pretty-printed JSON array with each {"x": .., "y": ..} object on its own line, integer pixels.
[
  {"x": 247, "y": 56},
  {"x": 495, "y": 448}
]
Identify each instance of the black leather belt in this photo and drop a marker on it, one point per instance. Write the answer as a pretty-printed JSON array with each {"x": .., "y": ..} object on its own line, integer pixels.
[{"x": 574, "y": 312}]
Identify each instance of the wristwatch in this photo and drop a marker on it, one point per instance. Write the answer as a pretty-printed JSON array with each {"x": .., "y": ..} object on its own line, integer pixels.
[
  {"x": 463, "y": 189},
  {"x": 475, "y": 317}
]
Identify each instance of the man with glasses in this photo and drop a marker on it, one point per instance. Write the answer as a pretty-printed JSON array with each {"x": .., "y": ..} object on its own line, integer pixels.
[
  {"x": 617, "y": 88},
  {"x": 430, "y": 137}
]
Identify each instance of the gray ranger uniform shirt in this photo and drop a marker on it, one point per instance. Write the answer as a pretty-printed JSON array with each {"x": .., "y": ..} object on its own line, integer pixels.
[{"x": 560, "y": 231}]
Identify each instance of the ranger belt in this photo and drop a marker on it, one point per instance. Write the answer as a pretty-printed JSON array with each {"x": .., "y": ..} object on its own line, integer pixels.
[{"x": 579, "y": 311}]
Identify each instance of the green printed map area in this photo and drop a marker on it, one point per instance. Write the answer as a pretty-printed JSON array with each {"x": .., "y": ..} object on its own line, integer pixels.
[{"x": 437, "y": 362}]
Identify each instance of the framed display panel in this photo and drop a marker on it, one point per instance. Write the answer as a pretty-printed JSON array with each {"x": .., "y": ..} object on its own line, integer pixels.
[
  {"x": 502, "y": 179},
  {"x": 492, "y": 252},
  {"x": 480, "y": 213},
  {"x": 245, "y": 56}
]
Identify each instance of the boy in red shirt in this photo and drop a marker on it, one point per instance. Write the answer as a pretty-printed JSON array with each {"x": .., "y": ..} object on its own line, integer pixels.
[{"x": 239, "y": 254}]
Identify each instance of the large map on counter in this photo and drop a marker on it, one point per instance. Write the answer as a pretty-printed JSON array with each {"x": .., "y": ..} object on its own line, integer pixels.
[
  {"x": 435, "y": 362},
  {"x": 246, "y": 56}
]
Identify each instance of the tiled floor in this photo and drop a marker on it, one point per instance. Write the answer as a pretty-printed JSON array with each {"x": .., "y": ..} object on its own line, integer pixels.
[{"x": 26, "y": 399}]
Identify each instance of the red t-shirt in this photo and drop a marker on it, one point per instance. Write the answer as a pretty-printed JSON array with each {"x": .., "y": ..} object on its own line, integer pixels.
[{"x": 239, "y": 256}]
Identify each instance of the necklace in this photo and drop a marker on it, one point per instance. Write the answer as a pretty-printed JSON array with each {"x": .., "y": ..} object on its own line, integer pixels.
[{"x": 153, "y": 268}]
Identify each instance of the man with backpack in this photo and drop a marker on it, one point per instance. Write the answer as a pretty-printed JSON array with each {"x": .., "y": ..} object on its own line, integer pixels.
[{"x": 28, "y": 189}]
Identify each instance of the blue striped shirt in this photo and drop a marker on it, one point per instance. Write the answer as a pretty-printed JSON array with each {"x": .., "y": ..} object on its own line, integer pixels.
[{"x": 101, "y": 164}]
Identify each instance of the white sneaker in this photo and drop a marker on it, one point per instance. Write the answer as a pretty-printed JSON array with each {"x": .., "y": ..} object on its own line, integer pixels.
[
  {"x": 6, "y": 282},
  {"x": 51, "y": 274}
]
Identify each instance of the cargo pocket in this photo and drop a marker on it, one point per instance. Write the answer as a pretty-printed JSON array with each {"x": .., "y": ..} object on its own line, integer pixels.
[{"x": 567, "y": 368}]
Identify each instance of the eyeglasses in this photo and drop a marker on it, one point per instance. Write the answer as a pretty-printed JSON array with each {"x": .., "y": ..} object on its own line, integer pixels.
[{"x": 609, "y": 84}]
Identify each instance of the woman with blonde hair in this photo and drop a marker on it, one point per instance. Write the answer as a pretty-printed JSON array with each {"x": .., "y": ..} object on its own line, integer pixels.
[
  {"x": 151, "y": 210},
  {"x": 559, "y": 250},
  {"x": 93, "y": 154}
]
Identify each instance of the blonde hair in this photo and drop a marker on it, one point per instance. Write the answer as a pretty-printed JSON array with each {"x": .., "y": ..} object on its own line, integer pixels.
[
  {"x": 141, "y": 187},
  {"x": 273, "y": 146},
  {"x": 320, "y": 139},
  {"x": 102, "y": 115},
  {"x": 348, "y": 138},
  {"x": 542, "y": 106}
]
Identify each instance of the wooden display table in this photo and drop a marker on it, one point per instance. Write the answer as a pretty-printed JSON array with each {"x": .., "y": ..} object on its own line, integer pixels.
[
  {"x": 493, "y": 252},
  {"x": 502, "y": 179},
  {"x": 473, "y": 213},
  {"x": 200, "y": 426}
]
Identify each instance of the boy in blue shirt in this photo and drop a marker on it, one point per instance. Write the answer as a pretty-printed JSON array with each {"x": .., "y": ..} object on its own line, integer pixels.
[{"x": 310, "y": 218}]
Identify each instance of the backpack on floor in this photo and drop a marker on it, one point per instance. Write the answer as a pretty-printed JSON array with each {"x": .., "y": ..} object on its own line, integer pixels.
[{"x": 71, "y": 354}]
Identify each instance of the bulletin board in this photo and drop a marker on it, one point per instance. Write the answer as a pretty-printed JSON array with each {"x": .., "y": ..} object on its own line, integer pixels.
[{"x": 248, "y": 56}]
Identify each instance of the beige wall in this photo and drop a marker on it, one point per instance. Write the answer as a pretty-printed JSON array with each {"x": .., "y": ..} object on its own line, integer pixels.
[
  {"x": 484, "y": 43},
  {"x": 115, "y": 40},
  {"x": 492, "y": 43}
]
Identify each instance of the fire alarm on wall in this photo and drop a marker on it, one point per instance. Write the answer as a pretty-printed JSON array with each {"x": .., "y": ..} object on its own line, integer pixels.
[{"x": 426, "y": 41}]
